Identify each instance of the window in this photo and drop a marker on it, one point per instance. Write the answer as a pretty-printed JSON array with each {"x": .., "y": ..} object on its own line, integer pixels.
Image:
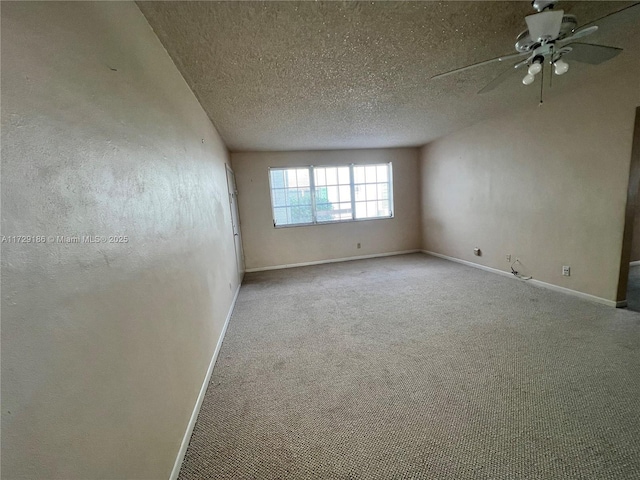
[{"x": 313, "y": 195}]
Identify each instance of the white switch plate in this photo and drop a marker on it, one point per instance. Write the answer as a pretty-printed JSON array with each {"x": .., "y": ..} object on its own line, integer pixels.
[
  {"x": 566, "y": 270},
  {"x": 508, "y": 257}
]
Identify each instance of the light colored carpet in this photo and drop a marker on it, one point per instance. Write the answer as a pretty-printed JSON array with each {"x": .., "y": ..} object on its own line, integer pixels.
[{"x": 412, "y": 367}]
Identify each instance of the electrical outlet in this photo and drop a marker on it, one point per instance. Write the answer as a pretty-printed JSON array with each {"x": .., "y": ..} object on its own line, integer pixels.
[
  {"x": 508, "y": 257},
  {"x": 566, "y": 270},
  {"x": 358, "y": 245},
  {"x": 477, "y": 252}
]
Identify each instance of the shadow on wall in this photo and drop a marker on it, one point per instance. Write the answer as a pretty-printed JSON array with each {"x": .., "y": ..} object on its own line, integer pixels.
[{"x": 631, "y": 240}]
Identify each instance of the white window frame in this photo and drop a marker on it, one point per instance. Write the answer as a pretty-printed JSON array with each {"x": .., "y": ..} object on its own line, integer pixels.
[{"x": 312, "y": 190}]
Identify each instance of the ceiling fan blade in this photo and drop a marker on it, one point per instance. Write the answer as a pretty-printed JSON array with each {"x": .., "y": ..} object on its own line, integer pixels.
[
  {"x": 583, "y": 32},
  {"x": 545, "y": 25},
  {"x": 591, "y": 54},
  {"x": 486, "y": 62},
  {"x": 502, "y": 77}
]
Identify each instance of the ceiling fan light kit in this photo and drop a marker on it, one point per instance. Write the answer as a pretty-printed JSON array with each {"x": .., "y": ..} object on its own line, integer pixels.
[
  {"x": 550, "y": 35},
  {"x": 536, "y": 66},
  {"x": 560, "y": 67}
]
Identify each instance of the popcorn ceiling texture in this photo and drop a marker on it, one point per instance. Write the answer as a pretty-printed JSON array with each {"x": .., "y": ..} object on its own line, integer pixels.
[{"x": 325, "y": 75}]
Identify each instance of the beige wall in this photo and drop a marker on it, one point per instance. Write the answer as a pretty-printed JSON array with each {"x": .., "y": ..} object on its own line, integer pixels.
[
  {"x": 635, "y": 244},
  {"x": 548, "y": 185},
  {"x": 105, "y": 346},
  {"x": 266, "y": 246}
]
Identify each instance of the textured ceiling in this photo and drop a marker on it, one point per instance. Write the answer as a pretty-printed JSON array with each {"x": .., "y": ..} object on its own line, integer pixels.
[{"x": 326, "y": 75}]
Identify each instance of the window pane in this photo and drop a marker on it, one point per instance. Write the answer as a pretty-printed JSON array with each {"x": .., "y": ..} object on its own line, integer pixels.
[
  {"x": 277, "y": 179},
  {"x": 369, "y": 209},
  {"x": 360, "y": 192},
  {"x": 290, "y": 179},
  {"x": 301, "y": 214},
  {"x": 323, "y": 207},
  {"x": 383, "y": 173},
  {"x": 383, "y": 208},
  {"x": 303, "y": 178},
  {"x": 358, "y": 174},
  {"x": 372, "y": 209},
  {"x": 383, "y": 191},
  {"x": 332, "y": 176},
  {"x": 345, "y": 211},
  {"x": 292, "y": 197},
  {"x": 344, "y": 176},
  {"x": 321, "y": 195},
  {"x": 327, "y": 197},
  {"x": 370, "y": 173},
  {"x": 324, "y": 212},
  {"x": 279, "y": 198},
  {"x": 280, "y": 215},
  {"x": 372, "y": 192},
  {"x": 332, "y": 194},
  {"x": 304, "y": 196},
  {"x": 321, "y": 176},
  {"x": 345, "y": 193}
]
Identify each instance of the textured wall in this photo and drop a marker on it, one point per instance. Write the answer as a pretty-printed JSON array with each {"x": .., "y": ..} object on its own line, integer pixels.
[
  {"x": 548, "y": 184},
  {"x": 265, "y": 245},
  {"x": 105, "y": 346}
]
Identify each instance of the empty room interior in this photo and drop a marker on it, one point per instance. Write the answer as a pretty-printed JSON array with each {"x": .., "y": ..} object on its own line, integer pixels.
[{"x": 320, "y": 240}]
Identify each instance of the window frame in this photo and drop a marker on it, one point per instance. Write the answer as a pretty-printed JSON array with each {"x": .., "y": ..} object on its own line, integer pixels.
[{"x": 312, "y": 192}]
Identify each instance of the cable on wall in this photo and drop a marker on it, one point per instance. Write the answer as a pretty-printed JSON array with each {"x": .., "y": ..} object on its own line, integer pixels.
[{"x": 516, "y": 273}]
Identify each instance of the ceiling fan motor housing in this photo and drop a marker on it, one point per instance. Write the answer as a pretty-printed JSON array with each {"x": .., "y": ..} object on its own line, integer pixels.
[
  {"x": 541, "y": 5},
  {"x": 524, "y": 42}
]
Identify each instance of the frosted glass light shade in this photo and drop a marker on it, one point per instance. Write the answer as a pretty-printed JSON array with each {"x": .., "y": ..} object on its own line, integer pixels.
[
  {"x": 528, "y": 79},
  {"x": 535, "y": 68},
  {"x": 561, "y": 67},
  {"x": 545, "y": 25}
]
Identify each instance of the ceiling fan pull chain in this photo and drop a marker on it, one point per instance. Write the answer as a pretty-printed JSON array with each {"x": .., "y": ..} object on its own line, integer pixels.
[{"x": 541, "y": 83}]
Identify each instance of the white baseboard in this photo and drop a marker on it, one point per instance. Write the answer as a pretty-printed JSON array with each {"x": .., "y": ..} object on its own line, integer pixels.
[
  {"x": 203, "y": 390},
  {"x": 332, "y": 260},
  {"x": 470, "y": 264},
  {"x": 537, "y": 283},
  {"x": 575, "y": 293},
  {"x": 635, "y": 263}
]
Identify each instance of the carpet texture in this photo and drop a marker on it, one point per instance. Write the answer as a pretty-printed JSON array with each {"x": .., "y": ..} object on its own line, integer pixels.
[{"x": 413, "y": 367}]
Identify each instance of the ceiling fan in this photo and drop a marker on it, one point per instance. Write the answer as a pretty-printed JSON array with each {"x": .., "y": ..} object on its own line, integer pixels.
[{"x": 549, "y": 39}]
